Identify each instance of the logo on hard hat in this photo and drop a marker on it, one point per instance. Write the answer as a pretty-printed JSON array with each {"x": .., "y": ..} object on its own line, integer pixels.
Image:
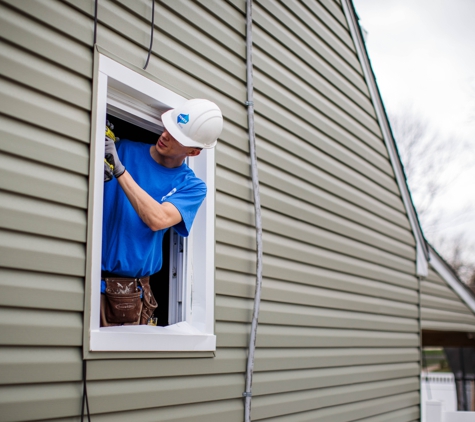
[{"x": 183, "y": 119}]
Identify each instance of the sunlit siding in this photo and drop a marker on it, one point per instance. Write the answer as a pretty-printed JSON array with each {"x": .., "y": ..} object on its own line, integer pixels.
[
  {"x": 441, "y": 308},
  {"x": 338, "y": 338}
]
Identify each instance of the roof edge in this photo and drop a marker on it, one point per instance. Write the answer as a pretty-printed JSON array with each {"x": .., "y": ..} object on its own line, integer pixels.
[{"x": 448, "y": 274}]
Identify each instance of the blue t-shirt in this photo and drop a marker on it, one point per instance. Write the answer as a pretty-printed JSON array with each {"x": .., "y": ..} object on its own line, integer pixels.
[{"x": 129, "y": 247}]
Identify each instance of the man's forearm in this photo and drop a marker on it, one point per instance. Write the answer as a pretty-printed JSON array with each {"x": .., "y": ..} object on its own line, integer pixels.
[{"x": 155, "y": 215}]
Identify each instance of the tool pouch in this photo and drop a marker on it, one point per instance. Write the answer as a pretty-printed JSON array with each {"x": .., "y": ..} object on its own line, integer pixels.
[
  {"x": 122, "y": 302},
  {"x": 149, "y": 302}
]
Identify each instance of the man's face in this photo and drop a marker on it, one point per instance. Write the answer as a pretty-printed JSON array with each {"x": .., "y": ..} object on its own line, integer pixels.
[{"x": 167, "y": 145}]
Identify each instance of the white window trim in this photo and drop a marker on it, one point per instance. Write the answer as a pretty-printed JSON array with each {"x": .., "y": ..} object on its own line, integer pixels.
[{"x": 196, "y": 331}]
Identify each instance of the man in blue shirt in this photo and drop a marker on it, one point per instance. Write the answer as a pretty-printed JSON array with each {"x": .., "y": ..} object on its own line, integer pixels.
[{"x": 153, "y": 190}]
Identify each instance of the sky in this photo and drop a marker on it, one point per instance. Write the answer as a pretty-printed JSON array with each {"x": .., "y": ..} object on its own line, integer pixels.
[{"x": 423, "y": 56}]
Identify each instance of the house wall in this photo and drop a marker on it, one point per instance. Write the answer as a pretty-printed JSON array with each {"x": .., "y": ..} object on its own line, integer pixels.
[
  {"x": 338, "y": 338},
  {"x": 441, "y": 308}
]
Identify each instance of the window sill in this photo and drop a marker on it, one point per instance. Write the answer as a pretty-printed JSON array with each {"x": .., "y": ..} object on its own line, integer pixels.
[{"x": 143, "y": 338}]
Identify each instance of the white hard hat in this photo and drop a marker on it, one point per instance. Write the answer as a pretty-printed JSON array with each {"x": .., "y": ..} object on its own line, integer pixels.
[{"x": 196, "y": 123}]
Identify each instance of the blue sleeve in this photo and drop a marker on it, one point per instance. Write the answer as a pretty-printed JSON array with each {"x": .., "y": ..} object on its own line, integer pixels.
[{"x": 187, "y": 199}]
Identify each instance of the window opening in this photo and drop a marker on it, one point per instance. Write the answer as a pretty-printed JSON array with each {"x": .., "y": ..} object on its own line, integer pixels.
[
  {"x": 167, "y": 284},
  {"x": 184, "y": 288}
]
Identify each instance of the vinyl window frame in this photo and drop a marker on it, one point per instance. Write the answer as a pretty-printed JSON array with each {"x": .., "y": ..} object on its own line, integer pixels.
[{"x": 143, "y": 99}]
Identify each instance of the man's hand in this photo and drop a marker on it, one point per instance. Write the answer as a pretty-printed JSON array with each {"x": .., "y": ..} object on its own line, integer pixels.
[{"x": 113, "y": 159}]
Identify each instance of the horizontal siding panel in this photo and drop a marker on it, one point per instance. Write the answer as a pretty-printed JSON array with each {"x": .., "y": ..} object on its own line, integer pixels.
[
  {"x": 231, "y": 12},
  {"x": 41, "y": 254},
  {"x": 140, "y": 394},
  {"x": 446, "y": 326},
  {"x": 146, "y": 393},
  {"x": 45, "y": 147},
  {"x": 30, "y": 215},
  {"x": 338, "y": 90},
  {"x": 232, "y": 360},
  {"x": 284, "y": 226},
  {"x": 317, "y": 55},
  {"x": 216, "y": 86},
  {"x": 369, "y": 165},
  {"x": 237, "y": 310},
  {"x": 219, "y": 411},
  {"x": 331, "y": 23},
  {"x": 296, "y": 293},
  {"x": 226, "y": 361},
  {"x": 234, "y": 209},
  {"x": 240, "y": 211},
  {"x": 336, "y": 159},
  {"x": 22, "y": 176},
  {"x": 244, "y": 261},
  {"x": 235, "y": 137},
  {"x": 63, "y": 18},
  {"x": 48, "y": 113},
  {"x": 432, "y": 289},
  {"x": 44, "y": 76},
  {"x": 435, "y": 278},
  {"x": 303, "y": 120},
  {"x": 30, "y": 402},
  {"x": 199, "y": 50},
  {"x": 302, "y": 203},
  {"x": 20, "y": 365},
  {"x": 24, "y": 289},
  {"x": 45, "y": 41},
  {"x": 293, "y": 188},
  {"x": 360, "y": 191},
  {"x": 293, "y": 250},
  {"x": 312, "y": 289},
  {"x": 31, "y": 327},
  {"x": 233, "y": 184},
  {"x": 444, "y": 304},
  {"x": 265, "y": 383},
  {"x": 244, "y": 237},
  {"x": 306, "y": 278},
  {"x": 229, "y": 258},
  {"x": 410, "y": 414},
  {"x": 334, "y": 7},
  {"x": 345, "y": 413},
  {"x": 235, "y": 234},
  {"x": 314, "y": 27},
  {"x": 218, "y": 20},
  {"x": 439, "y": 315},
  {"x": 237, "y": 335},
  {"x": 177, "y": 20},
  {"x": 201, "y": 84},
  {"x": 284, "y": 359},
  {"x": 312, "y": 108}
]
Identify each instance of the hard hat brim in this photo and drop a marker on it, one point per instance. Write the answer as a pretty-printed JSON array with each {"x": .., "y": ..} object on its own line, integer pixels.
[{"x": 170, "y": 126}]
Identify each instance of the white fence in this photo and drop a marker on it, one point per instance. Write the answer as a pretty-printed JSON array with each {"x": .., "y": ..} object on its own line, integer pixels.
[{"x": 439, "y": 399}]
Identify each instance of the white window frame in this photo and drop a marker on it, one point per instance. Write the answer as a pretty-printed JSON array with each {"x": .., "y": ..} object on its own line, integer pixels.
[{"x": 123, "y": 89}]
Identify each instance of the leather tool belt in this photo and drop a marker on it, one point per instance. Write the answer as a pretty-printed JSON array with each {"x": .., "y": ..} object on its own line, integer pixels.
[{"x": 127, "y": 301}]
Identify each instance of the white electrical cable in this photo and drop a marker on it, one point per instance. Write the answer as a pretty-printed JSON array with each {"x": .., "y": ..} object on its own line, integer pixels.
[{"x": 257, "y": 210}]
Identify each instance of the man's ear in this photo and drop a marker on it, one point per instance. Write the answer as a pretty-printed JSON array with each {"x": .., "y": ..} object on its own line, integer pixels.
[{"x": 194, "y": 152}]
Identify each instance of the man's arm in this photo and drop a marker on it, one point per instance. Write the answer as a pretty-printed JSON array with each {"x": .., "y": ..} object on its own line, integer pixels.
[{"x": 155, "y": 215}]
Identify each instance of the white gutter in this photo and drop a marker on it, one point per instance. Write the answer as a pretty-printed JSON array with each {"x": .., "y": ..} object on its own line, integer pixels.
[{"x": 422, "y": 252}]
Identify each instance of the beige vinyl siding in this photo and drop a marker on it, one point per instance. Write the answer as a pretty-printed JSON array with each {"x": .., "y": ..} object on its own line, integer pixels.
[
  {"x": 441, "y": 308},
  {"x": 338, "y": 338}
]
